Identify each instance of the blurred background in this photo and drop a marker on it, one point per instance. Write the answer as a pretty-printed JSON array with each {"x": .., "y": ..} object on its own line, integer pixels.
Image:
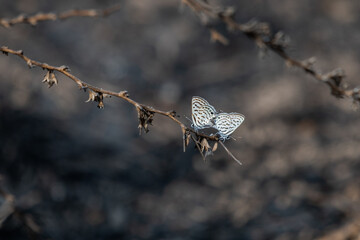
[{"x": 84, "y": 173}]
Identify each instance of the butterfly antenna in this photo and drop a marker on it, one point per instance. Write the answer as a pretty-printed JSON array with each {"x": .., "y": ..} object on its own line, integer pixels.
[
  {"x": 188, "y": 118},
  {"x": 236, "y": 137}
]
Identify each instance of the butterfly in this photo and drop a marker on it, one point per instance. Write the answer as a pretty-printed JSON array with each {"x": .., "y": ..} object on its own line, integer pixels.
[
  {"x": 203, "y": 114},
  {"x": 227, "y": 123}
]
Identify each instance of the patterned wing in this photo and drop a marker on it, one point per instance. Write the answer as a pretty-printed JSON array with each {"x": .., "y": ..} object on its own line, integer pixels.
[
  {"x": 227, "y": 123},
  {"x": 202, "y": 113}
]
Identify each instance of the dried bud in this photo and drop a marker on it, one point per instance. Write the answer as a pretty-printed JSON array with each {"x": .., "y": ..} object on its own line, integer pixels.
[
  {"x": 92, "y": 96},
  {"x": 65, "y": 68},
  {"x": 256, "y": 28},
  {"x": 280, "y": 40},
  {"x": 50, "y": 79},
  {"x": 45, "y": 66},
  {"x": 105, "y": 95},
  {"x": 228, "y": 12},
  {"x": 101, "y": 104},
  {"x": 204, "y": 145},
  {"x": 214, "y": 148},
  {"x": 29, "y": 63},
  {"x": 309, "y": 63},
  {"x": 333, "y": 80},
  {"x": 124, "y": 93},
  {"x": 337, "y": 76},
  {"x": 96, "y": 97},
  {"x": 145, "y": 119}
]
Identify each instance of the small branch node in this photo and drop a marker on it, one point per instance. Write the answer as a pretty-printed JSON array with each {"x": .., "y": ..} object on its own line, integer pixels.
[
  {"x": 50, "y": 79},
  {"x": 96, "y": 97},
  {"x": 124, "y": 94}
]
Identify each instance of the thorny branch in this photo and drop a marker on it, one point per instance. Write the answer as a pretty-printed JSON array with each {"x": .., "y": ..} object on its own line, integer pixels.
[
  {"x": 145, "y": 113},
  {"x": 261, "y": 33},
  {"x": 40, "y": 17}
]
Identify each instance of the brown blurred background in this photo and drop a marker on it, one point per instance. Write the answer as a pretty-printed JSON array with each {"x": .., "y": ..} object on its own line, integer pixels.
[{"x": 85, "y": 173}]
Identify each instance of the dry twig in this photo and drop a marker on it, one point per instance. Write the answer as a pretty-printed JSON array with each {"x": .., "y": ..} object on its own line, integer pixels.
[
  {"x": 40, "y": 17},
  {"x": 261, "y": 33},
  {"x": 145, "y": 113}
]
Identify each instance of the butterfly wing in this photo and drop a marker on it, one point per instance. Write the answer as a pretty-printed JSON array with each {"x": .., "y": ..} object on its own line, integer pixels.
[
  {"x": 202, "y": 113},
  {"x": 227, "y": 123}
]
